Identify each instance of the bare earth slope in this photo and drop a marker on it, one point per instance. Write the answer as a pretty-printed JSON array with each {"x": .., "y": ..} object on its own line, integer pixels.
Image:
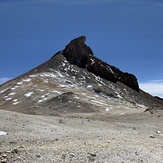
[{"x": 82, "y": 138}]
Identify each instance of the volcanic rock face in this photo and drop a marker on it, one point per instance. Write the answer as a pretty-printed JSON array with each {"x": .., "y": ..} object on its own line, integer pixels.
[{"x": 78, "y": 53}]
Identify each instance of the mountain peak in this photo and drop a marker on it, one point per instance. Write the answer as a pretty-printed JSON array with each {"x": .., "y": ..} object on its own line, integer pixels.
[
  {"x": 78, "y": 53},
  {"x": 74, "y": 80}
]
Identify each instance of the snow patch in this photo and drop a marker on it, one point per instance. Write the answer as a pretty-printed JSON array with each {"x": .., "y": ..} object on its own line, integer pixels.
[
  {"x": 27, "y": 80},
  {"x": 11, "y": 94},
  {"x": 41, "y": 90},
  {"x": 48, "y": 75},
  {"x": 3, "y": 133},
  {"x": 119, "y": 96},
  {"x": 42, "y": 100},
  {"x": 28, "y": 94},
  {"x": 43, "y": 97},
  {"x": 99, "y": 102},
  {"x": 7, "y": 99},
  {"x": 60, "y": 75},
  {"x": 108, "y": 109},
  {"x": 98, "y": 79},
  {"x": 89, "y": 86},
  {"x": 96, "y": 95},
  {"x": 15, "y": 100},
  {"x": 125, "y": 91},
  {"x": 63, "y": 64},
  {"x": 141, "y": 106},
  {"x": 83, "y": 77},
  {"x": 64, "y": 86},
  {"x": 45, "y": 75},
  {"x": 76, "y": 97},
  {"x": 111, "y": 70},
  {"x": 58, "y": 92},
  {"x": 4, "y": 90},
  {"x": 15, "y": 87},
  {"x": 91, "y": 97},
  {"x": 15, "y": 103},
  {"x": 19, "y": 83},
  {"x": 92, "y": 61},
  {"x": 32, "y": 76},
  {"x": 46, "y": 80}
]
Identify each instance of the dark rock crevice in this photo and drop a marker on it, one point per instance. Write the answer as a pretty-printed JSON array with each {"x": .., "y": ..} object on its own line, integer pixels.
[{"x": 78, "y": 53}]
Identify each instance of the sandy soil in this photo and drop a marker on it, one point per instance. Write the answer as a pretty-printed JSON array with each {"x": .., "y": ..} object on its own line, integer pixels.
[{"x": 81, "y": 138}]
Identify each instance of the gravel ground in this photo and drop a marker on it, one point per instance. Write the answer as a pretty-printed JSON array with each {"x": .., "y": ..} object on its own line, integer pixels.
[{"x": 81, "y": 138}]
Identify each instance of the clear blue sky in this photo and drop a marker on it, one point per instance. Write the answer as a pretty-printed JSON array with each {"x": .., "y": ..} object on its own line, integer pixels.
[{"x": 125, "y": 33}]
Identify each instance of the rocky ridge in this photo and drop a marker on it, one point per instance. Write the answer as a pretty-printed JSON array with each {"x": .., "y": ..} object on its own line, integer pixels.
[{"x": 78, "y": 53}]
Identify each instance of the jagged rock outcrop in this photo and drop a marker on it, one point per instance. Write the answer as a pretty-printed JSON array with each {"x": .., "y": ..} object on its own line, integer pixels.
[{"x": 78, "y": 53}]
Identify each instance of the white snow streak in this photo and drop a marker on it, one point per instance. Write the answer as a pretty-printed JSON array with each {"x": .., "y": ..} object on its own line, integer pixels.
[
  {"x": 15, "y": 87},
  {"x": 89, "y": 86},
  {"x": 27, "y": 80},
  {"x": 42, "y": 100},
  {"x": 15, "y": 100},
  {"x": 15, "y": 103},
  {"x": 13, "y": 93},
  {"x": 58, "y": 92},
  {"x": 4, "y": 90},
  {"x": 28, "y": 94},
  {"x": 98, "y": 102},
  {"x": 19, "y": 83},
  {"x": 7, "y": 99},
  {"x": 3, "y": 133}
]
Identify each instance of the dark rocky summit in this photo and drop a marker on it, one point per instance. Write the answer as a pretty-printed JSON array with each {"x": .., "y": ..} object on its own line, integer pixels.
[{"x": 78, "y": 53}]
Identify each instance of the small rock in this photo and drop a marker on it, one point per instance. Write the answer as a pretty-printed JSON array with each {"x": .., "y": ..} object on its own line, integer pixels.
[
  {"x": 92, "y": 154},
  {"x": 4, "y": 155},
  {"x": 38, "y": 156},
  {"x": 72, "y": 155},
  {"x": 12, "y": 142},
  {"x": 158, "y": 132},
  {"x": 4, "y": 161},
  {"x": 152, "y": 136},
  {"x": 63, "y": 156},
  {"x": 15, "y": 151},
  {"x": 134, "y": 128},
  {"x": 91, "y": 158},
  {"x": 60, "y": 121}
]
